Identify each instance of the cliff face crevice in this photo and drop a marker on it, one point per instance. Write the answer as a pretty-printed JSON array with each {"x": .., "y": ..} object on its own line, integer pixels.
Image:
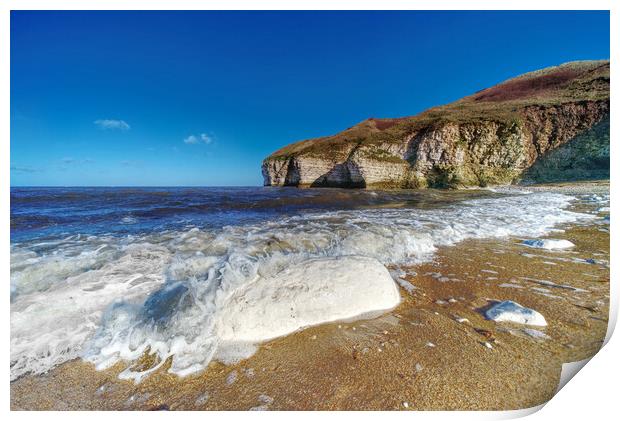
[{"x": 479, "y": 140}]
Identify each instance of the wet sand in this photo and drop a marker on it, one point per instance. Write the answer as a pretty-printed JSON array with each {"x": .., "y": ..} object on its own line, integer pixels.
[{"x": 420, "y": 356}]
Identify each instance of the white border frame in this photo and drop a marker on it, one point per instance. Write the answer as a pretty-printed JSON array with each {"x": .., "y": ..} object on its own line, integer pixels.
[{"x": 592, "y": 394}]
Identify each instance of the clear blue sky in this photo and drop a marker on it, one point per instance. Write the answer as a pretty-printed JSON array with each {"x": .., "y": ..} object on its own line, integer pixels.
[{"x": 200, "y": 98}]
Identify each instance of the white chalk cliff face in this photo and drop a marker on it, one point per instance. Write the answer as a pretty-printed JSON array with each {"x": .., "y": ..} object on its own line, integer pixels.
[{"x": 491, "y": 137}]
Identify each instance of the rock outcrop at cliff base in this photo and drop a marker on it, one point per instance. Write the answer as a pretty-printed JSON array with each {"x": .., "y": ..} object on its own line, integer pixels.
[{"x": 490, "y": 137}]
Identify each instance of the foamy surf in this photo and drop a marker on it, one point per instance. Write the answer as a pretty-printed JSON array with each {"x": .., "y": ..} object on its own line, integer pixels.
[{"x": 182, "y": 294}]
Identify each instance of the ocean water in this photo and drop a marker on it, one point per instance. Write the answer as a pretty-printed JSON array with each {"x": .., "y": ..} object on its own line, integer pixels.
[{"x": 106, "y": 274}]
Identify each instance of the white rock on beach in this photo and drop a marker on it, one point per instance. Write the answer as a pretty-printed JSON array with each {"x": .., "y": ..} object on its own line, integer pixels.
[
  {"x": 549, "y": 244},
  {"x": 509, "y": 311},
  {"x": 310, "y": 293}
]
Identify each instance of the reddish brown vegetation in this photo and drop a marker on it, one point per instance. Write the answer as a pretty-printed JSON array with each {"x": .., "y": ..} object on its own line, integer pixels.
[
  {"x": 386, "y": 123},
  {"x": 521, "y": 88}
]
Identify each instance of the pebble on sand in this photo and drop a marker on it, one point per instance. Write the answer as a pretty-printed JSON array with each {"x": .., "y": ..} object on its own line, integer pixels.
[
  {"x": 232, "y": 377},
  {"x": 202, "y": 399},
  {"x": 137, "y": 398},
  {"x": 265, "y": 399}
]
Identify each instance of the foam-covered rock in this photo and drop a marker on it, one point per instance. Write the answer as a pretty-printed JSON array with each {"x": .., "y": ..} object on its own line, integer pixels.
[
  {"x": 509, "y": 311},
  {"x": 313, "y": 292}
]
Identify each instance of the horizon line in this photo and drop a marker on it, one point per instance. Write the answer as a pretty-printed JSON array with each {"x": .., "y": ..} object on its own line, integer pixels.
[{"x": 128, "y": 185}]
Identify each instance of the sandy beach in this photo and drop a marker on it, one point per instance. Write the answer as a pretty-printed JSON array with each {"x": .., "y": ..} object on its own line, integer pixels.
[{"x": 435, "y": 350}]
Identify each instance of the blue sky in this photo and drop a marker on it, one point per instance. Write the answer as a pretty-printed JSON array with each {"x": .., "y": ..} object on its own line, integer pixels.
[{"x": 200, "y": 98}]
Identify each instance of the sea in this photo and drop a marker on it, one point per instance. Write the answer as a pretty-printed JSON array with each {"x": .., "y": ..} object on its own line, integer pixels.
[{"x": 109, "y": 274}]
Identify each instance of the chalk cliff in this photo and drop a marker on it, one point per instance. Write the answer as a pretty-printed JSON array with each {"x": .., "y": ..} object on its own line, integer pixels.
[{"x": 491, "y": 137}]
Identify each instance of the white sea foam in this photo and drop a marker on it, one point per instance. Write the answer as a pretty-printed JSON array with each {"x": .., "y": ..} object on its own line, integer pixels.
[
  {"x": 57, "y": 302},
  {"x": 110, "y": 299}
]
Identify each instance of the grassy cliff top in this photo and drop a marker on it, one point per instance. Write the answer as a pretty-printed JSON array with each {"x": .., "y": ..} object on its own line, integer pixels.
[{"x": 569, "y": 82}]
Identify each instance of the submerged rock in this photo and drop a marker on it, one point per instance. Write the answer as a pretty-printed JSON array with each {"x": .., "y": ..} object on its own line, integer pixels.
[{"x": 509, "y": 311}]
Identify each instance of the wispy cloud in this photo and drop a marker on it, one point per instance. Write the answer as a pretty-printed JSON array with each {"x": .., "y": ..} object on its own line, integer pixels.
[
  {"x": 69, "y": 162},
  {"x": 202, "y": 138},
  {"x": 131, "y": 163},
  {"x": 112, "y": 125},
  {"x": 24, "y": 169}
]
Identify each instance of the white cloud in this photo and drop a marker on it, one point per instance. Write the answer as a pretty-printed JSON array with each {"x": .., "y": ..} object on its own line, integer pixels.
[
  {"x": 206, "y": 138},
  {"x": 202, "y": 138},
  {"x": 112, "y": 124}
]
